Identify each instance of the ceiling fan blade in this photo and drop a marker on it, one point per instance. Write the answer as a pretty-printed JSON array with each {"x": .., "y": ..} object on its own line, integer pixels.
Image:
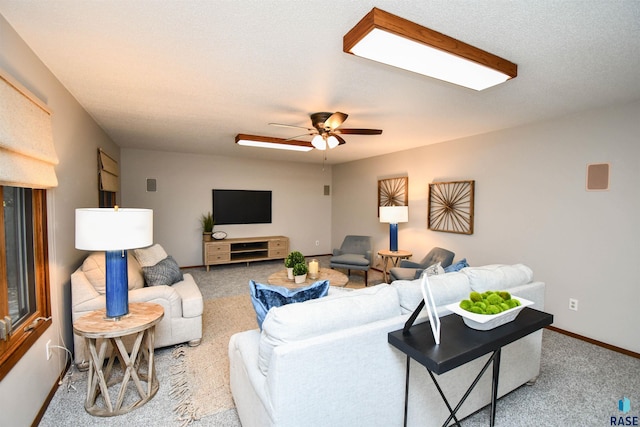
[
  {"x": 359, "y": 131},
  {"x": 292, "y": 126},
  {"x": 335, "y": 120},
  {"x": 298, "y": 136},
  {"x": 339, "y": 138}
]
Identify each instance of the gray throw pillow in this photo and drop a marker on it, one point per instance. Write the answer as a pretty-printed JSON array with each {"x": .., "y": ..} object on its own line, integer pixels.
[{"x": 166, "y": 272}]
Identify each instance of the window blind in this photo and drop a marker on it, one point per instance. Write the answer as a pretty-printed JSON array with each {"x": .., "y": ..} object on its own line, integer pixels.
[
  {"x": 108, "y": 172},
  {"x": 27, "y": 154}
]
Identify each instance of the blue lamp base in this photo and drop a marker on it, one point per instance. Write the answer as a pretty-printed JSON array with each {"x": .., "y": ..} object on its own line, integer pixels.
[
  {"x": 117, "y": 284},
  {"x": 393, "y": 237}
]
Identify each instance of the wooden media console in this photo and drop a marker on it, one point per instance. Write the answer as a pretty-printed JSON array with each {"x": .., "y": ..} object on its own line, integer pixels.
[{"x": 244, "y": 249}]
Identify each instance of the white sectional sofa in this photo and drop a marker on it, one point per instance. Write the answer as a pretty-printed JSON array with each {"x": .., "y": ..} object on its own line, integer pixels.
[{"x": 327, "y": 362}]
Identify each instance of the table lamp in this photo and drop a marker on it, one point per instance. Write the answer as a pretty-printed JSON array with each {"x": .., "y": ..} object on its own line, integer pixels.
[
  {"x": 114, "y": 230},
  {"x": 394, "y": 215}
]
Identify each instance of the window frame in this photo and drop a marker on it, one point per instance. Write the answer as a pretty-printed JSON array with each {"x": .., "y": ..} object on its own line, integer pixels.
[{"x": 26, "y": 333}]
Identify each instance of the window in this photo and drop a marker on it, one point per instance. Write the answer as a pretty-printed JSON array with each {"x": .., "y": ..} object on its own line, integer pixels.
[
  {"x": 24, "y": 276},
  {"x": 107, "y": 199},
  {"x": 108, "y": 180}
]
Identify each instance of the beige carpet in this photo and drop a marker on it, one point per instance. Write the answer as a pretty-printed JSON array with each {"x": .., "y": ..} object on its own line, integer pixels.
[{"x": 204, "y": 370}]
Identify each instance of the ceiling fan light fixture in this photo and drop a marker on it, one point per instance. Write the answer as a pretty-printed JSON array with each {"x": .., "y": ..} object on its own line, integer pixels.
[
  {"x": 319, "y": 142},
  {"x": 269, "y": 142},
  {"x": 332, "y": 141},
  {"x": 386, "y": 38}
]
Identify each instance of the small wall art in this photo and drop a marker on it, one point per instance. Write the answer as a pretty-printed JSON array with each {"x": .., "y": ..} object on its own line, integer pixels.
[{"x": 451, "y": 207}]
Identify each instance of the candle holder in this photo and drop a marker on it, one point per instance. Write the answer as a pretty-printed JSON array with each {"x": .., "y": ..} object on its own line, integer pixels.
[{"x": 314, "y": 269}]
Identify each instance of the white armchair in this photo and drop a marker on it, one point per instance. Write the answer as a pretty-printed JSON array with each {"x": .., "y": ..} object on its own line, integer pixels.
[{"x": 182, "y": 303}]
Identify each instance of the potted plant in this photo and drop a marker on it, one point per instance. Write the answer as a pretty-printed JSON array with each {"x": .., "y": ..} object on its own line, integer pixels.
[
  {"x": 300, "y": 272},
  {"x": 291, "y": 260},
  {"x": 207, "y": 222}
]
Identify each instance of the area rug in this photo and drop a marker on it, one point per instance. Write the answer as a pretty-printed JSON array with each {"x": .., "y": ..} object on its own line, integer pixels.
[{"x": 200, "y": 378}]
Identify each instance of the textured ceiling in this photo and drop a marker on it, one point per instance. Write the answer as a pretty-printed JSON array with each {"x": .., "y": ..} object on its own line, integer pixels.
[{"x": 188, "y": 75}]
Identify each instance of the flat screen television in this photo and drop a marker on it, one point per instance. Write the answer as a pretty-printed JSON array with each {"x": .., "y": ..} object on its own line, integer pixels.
[{"x": 241, "y": 206}]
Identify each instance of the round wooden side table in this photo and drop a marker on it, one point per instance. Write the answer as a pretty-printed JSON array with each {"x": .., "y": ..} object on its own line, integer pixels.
[
  {"x": 394, "y": 256},
  {"x": 104, "y": 338}
]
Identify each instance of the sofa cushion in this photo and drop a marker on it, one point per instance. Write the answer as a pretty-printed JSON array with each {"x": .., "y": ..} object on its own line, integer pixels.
[
  {"x": 297, "y": 322},
  {"x": 165, "y": 272},
  {"x": 497, "y": 277},
  {"x": 457, "y": 266},
  {"x": 265, "y": 297},
  {"x": 402, "y": 273},
  {"x": 445, "y": 288},
  {"x": 350, "y": 259},
  {"x": 94, "y": 269},
  {"x": 150, "y": 256}
]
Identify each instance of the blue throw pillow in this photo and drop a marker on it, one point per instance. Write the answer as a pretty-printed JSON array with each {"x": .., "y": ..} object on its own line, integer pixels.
[
  {"x": 263, "y": 297},
  {"x": 457, "y": 266}
]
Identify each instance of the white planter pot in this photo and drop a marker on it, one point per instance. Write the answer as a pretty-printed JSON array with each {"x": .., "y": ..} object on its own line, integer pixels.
[
  {"x": 300, "y": 279},
  {"x": 290, "y": 273}
]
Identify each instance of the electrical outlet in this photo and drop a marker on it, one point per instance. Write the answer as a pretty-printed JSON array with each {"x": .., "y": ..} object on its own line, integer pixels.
[
  {"x": 573, "y": 304},
  {"x": 48, "y": 349}
]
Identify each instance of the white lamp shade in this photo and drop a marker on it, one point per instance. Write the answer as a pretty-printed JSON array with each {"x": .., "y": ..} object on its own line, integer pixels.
[
  {"x": 113, "y": 229},
  {"x": 319, "y": 142},
  {"x": 332, "y": 142},
  {"x": 394, "y": 214}
]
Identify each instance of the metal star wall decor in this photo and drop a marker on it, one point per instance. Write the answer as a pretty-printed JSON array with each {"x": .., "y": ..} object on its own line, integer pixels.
[
  {"x": 393, "y": 192},
  {"x": 451, "y": 207}
]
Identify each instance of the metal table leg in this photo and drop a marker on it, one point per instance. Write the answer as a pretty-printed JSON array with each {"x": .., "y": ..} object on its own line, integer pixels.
[{"x": 494, "y": 359}]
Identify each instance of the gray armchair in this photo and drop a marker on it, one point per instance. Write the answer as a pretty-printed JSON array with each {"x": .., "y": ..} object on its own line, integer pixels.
[
  {"x": 354, "y": 254},
  {"x": 409, "y": 270}
]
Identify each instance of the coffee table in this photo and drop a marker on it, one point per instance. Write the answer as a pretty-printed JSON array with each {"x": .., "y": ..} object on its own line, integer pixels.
[{"x": 334, "y": 277}]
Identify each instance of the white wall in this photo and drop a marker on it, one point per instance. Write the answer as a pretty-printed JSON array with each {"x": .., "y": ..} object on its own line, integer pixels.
[
  {"x": 76, "y": 138},
  {"x": 530, "y": 207},
  {"x": 300, "y": 210}
]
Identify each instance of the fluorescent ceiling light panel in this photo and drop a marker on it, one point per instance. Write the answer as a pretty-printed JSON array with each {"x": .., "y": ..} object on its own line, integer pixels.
[
  {"x": 395, "y": 41},
  {"x": 269, "y": 142}
]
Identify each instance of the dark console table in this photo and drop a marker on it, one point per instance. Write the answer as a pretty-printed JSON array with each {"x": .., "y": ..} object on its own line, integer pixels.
[{"x": 460, "y": 344}]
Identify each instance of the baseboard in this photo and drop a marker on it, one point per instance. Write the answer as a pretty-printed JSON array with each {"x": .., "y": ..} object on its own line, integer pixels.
[
  {"x": 52, "y": 392},
  {"x": 595, "y": 342}
]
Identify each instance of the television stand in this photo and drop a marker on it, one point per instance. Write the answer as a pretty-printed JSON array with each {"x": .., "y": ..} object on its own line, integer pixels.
[{"x": 244, "y": 249}]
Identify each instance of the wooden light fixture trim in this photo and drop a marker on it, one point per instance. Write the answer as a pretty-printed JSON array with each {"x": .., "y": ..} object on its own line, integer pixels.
[
  {"x": 273, "y": 140},
  {"x": 386, "y": 21}
]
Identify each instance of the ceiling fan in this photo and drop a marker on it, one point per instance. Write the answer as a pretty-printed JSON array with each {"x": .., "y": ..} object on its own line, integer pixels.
[{"x": 326, "y": 130}]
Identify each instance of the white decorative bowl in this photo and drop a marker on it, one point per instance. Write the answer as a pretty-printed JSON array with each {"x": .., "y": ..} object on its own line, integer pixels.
[{"x": 485, "y": 322}]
